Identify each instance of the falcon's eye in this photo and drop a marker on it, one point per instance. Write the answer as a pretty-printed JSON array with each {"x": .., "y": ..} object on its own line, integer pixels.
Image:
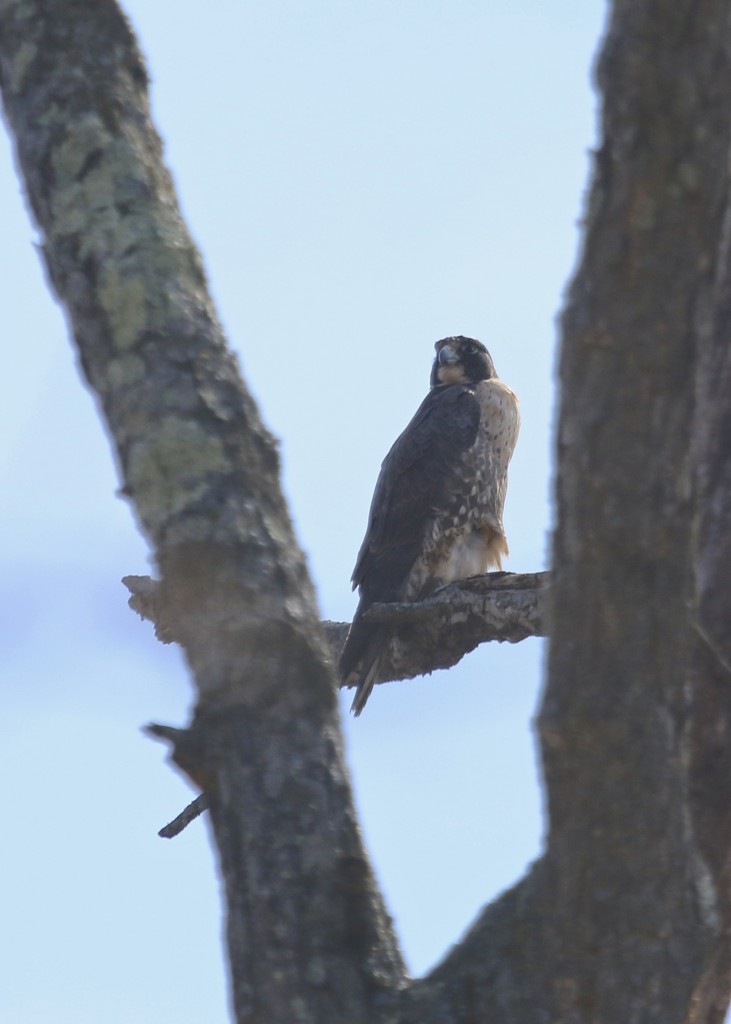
[{"x": 470, "y": 349}]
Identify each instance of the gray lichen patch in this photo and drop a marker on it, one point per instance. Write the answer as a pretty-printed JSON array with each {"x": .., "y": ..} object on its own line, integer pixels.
[
  {"x": 169, "y": 468},
  {"x": 124, "y": 299},
  {"x": 85, "y": 135},
  {"x": 125, "y": 370},
  {"x": 88, "y": 166},
  {"x": 114, "y": 208},
  {"x": 24, "y": 58}
]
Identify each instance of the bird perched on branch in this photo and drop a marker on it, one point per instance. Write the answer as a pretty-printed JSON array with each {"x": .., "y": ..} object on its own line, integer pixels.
[{"x": 437, "y": 511}]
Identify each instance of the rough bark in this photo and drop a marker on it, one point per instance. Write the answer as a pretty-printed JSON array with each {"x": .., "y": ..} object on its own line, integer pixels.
[
  {"x": 309, "y": 939},
  {"x": 434, "y": 633},
  {"x": 625, "y": 919},
  {"x": 626, "y": 693}
]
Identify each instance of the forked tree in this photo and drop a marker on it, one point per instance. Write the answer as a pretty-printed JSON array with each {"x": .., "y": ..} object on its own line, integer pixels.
[{"x": 625, "y": 917}]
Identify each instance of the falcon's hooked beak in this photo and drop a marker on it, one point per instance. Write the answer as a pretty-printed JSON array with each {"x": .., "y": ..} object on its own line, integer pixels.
[{"x": 449, "y": 366}]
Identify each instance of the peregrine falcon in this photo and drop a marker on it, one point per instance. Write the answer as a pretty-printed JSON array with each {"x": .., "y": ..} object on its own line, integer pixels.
[{"x": 437, "y": 511}]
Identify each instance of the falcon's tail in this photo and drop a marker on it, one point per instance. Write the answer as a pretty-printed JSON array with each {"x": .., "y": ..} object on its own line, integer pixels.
[
  {"x": 365, "y": 686},
  {"x": 361, "y": 659}
]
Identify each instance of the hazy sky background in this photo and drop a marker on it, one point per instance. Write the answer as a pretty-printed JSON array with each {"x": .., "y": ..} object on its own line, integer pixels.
[{"x": 362, "y": 179}]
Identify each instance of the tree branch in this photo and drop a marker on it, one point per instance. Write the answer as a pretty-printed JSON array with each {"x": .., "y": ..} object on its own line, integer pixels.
[
  {"x": 430, "y": 634},
  {"x": 181, "y": 821},
  {"x": 203, "y": 473},
  {"x": 627, "y": 916},
  {"x": 451, "y": 622}
]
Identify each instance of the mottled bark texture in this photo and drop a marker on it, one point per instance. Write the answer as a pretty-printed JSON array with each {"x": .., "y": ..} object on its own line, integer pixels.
[
  {"x": 434, "y": 633},
  {"x": 635, "y": 722},
  {"x": 309, "y": 938},
  {"x": 625, "y": 919}
]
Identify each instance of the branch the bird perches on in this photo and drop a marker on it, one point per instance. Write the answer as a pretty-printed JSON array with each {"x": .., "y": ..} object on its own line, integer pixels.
[{"x": 430, "y": 634}]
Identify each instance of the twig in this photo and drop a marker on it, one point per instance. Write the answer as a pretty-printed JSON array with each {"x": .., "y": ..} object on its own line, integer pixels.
[
  {"x": 196, "y": 807},
  {"x": 188, "y": 814}
]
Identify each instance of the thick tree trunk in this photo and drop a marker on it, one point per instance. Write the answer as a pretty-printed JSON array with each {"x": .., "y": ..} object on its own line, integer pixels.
[
  {"x": 625, "y": 919},
  {"x": 620, "y": 717},
  {"x": 309, "y": 939}
]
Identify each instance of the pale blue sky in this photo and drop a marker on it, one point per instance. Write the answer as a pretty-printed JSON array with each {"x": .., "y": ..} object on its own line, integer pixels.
[{"x": 362, "y": 179}]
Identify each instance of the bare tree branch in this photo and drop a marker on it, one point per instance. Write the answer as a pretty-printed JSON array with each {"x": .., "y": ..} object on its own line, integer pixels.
[
  {"x": 430, "y": 634},
  {"x": 193, "y": 810},
  {"x": 626, "y": 917}
]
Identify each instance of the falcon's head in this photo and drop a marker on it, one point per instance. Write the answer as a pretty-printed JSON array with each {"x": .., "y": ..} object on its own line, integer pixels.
[{"x": 461, "y": 361}]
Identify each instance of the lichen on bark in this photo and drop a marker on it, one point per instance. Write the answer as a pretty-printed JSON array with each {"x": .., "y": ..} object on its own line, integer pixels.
[{"x": 626, "y": 917}]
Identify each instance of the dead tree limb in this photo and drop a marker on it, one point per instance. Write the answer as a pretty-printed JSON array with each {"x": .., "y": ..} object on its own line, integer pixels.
[
  {"x": 626, "y": 917},
  {"x": 431, "y": 634}
]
